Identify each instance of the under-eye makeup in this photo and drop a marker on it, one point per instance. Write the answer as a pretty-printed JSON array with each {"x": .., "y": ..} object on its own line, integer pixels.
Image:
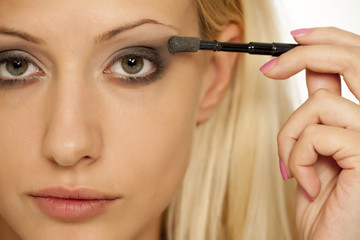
[
  {"x": 17, "y": 69},
  {"x": 129, "y": 60},
  {"x": 137, "y": 65}
]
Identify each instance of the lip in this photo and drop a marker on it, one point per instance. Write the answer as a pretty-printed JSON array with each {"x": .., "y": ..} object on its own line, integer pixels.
[{"x": 72, "y": 204}]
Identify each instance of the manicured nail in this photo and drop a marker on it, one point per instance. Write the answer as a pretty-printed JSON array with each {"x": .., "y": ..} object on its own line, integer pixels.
[
  {"x": 300, "y": 32},
  {"x": 268, "y": 65},
  {"x": 307, "y": 194},
  {"x": 282, "y": 169}
]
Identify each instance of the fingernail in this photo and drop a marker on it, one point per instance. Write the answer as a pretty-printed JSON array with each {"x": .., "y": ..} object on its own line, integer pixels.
[
  {"x": 268, "y": 65},
  {"x": 307, "y": 194},
  {"x": 300, "y": 32},
  {"x": 283, "y": 170}
]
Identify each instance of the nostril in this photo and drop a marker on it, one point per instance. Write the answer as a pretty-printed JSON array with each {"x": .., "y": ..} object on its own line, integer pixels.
[
  {"x": 71, "y": 137},
  {"x": 68, "y": 162}
]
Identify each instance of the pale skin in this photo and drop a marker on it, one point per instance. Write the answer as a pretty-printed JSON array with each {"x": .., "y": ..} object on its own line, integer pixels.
[
  {"x": 320, "y": 143},
  {"x": 75, "y": 126}
]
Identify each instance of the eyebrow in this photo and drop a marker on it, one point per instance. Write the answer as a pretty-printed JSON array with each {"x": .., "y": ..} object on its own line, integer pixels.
[
  {"x": 112, "y": 33},
  {"x": 23, "y": 35},
  {"x": 99, "y": 39}
]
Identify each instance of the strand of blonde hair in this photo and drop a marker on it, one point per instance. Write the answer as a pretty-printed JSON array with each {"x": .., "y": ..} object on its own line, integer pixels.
[{"x": 232, "y": 188}]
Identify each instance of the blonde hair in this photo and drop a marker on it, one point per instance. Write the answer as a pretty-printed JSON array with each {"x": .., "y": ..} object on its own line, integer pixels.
[{"x": 233, "y": 188}]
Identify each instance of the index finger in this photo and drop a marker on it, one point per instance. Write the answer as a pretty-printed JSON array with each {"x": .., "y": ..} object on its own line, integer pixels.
[
  {"x": 325, "y": 35},
  {"x": 328, "y": 59}
]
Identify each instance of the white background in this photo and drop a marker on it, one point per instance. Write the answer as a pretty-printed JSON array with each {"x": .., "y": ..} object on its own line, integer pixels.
[{"x": 295, "y": 14}]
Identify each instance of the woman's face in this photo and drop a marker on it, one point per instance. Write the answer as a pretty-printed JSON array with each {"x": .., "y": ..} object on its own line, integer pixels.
[{"x": 96, "y": 116}]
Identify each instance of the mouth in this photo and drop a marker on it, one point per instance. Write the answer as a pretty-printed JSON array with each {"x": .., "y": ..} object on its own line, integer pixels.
[{"x": 76, "y": 204}]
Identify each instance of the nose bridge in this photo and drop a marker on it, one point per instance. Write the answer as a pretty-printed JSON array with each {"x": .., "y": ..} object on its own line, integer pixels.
[{"x": 71, "y": 135}]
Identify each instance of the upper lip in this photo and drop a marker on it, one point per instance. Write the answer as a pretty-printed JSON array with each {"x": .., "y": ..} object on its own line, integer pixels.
[{"x": 76, "y": 193}]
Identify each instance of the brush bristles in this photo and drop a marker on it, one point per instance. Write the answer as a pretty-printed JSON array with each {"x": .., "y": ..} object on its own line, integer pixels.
[{"x": 184, "y": 44}]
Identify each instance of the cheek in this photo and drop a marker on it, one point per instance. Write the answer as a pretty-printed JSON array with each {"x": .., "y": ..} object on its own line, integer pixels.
[
  {"x": 19, "y": 152},
  {"x": 146, "y": 137},
  {"x": 19, "y": 138},
  {"x": 154, "y": 136},
  {"x": 149, "y": 141}
]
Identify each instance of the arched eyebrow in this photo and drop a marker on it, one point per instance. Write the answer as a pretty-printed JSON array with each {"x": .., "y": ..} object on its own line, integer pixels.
[
  {"x": 22, "y": 35},
  {"x": 99, "y": 39},
  {"x": 112, "y": 33}
]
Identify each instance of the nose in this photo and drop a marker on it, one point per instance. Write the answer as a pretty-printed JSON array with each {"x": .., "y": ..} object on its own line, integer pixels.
[{"x": 71, "y": 135}]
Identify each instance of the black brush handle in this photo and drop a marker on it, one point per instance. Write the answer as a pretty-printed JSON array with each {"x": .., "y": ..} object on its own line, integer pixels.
[{"x": 273, "y": 49}]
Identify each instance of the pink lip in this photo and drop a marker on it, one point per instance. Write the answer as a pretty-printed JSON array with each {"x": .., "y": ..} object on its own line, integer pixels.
[{"x": 74, "y": 204}]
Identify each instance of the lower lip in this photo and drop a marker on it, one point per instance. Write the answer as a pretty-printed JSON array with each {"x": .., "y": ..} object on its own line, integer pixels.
[{"x": 71, "y": 209}]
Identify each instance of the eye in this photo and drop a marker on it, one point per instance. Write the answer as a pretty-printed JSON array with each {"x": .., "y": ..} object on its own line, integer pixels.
[
  {"x": 136, "y": 65},
  {"x": 16, "y": 68},
  {"x": 133, "y": 66}
]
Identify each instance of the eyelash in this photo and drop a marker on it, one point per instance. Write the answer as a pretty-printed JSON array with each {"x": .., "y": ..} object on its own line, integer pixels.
[
  {"x": 9, "y": 83},
  {"x": 14, "y": 82},
  {"x": 147, "y": 54}
]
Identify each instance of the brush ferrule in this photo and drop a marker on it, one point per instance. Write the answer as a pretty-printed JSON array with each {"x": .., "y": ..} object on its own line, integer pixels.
[{"x": 210, "y": 45}]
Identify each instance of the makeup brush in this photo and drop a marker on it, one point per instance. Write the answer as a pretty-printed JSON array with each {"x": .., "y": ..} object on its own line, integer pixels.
[{"x": 193, "y": 44}]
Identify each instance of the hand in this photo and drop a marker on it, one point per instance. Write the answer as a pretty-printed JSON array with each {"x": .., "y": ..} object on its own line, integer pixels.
[{"x": 319, "y": 145}]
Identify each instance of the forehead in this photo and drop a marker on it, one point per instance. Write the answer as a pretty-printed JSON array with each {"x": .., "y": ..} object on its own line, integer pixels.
[{"x": 91, "y": 17}]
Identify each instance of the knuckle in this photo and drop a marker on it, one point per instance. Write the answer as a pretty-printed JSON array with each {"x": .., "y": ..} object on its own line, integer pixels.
[
  {"x": 298, "y": 50},
  {"x": 283, "y": 136},
  {"x": 309, "y": 130},
  {"x": 353, "y": 60},
  {"x": 280, "y": 135},
  {"x": 320, "y": 94}
]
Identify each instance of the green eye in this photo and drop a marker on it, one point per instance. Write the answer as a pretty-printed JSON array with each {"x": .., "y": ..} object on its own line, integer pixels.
[
  {"x": 132, "y": 64},
  {"x": 136, "y": 65},
  {"x": 16, "y": 67}
]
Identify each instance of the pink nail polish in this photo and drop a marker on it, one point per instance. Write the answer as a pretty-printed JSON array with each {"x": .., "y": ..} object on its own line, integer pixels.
[
  {"x": 268, "y": 65},
  {"x": 283, "y": 170},
  {"x": 300, "y": 32},
  {"x": 307, "y": 194}
]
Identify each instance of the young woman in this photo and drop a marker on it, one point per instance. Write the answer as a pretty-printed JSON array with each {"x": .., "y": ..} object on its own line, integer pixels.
[{"x": 106, "y": 135}]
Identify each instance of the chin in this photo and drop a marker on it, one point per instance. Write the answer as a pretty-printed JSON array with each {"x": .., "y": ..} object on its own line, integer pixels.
[{"x": 68, "y": 230}]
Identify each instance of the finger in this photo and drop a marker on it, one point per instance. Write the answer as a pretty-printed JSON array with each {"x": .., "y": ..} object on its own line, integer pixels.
[
  {"x": 323, "y": 107},
  {"x": 316, "y": 81},
  {"x": 320, "y": 59},
  {"x": 327, "y": 36},
  {"x": 328, "y": 172},
  {"x": 341, "y": 144}
]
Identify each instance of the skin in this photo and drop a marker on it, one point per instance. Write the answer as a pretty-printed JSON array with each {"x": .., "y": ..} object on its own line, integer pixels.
[
  {"x": 77, "y": 127},
  {"x": 319, "y": 144}
]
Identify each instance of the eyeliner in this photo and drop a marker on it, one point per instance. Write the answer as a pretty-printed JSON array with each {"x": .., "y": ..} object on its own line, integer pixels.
[{"x": 192, "y": 44}]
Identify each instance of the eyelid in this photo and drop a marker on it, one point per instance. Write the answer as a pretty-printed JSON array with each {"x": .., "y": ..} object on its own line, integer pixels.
[
  {"x": 19, "y": 81},
  {"x": 145, "y": 52},
  {"x": 14, "y": 54},
  {"x": 154, "y": 55}
]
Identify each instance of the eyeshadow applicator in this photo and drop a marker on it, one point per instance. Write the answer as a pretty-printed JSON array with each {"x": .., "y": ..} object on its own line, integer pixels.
[{"x": 193, "y": 44}]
